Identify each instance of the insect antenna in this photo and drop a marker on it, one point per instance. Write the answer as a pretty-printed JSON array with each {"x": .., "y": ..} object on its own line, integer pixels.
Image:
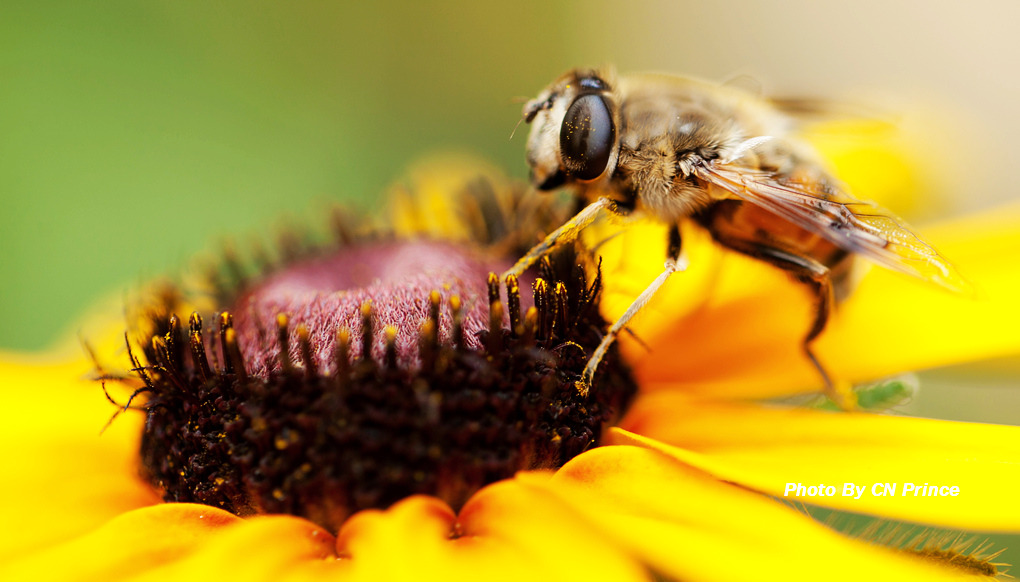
[{"x": 514, "y": 132}]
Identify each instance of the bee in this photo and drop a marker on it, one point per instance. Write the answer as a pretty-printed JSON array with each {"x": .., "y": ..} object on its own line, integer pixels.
[{"x": 675, "y": 149}]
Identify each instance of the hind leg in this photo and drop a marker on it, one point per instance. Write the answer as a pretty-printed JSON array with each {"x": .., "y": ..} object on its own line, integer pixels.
[
  {"x": 821, "y": 285},
  {"x": 819, "y": 279}
]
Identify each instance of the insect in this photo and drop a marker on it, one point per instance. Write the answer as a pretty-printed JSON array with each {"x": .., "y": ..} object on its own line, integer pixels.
[{"x": 676, "y": 148}]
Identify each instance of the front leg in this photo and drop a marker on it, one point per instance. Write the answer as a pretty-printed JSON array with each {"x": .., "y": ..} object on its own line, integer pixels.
[
  {"x": 674, "y": 263},
  {"x": 565, "y": 233}
]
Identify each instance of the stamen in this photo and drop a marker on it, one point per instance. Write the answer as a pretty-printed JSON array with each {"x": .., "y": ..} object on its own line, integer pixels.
[
  {"x": 530, "y": 327},
  {"x": 307, "y": 358},
  {"x": 560, "y": 313},
  {"x": 457, "y": 329},
  {"x": 234, "y": 355},
  {"x": 493, "y": 282},
  {"x": 390, "y": 359},
  {"x": 226, "y": 322},
  {"x": 428, "y": 345},
  {"x": 213, "y": 355},
  {"x": 513, "y": 297},
  {"x": 591, "y": 293},
  {"x": 283, "y": 338},
  {"x": 198, "y": 347},
  {"x": 174, "y": 344},
  {"x": 495, "y": 343},
  {"x": 165, "y": 366},
  {"x": 435, "y": 299},
  {"x": 159, "y": 347},
  {"x": 367, "y": 338},
  {"x": 341, "y": 356},
  {"x": 551, "y": 314},
  {"x": 541, "y": 293}
]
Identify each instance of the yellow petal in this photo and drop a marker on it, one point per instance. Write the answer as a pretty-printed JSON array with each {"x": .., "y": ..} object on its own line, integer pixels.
[
  {"x": 893, "y": 323},
  {"x": 182, "y": 542},
  {"x": 738, "y": 334},
  {"x": 873, "y": 160},
  {"x": 127, "y": 545},
  {"x": 506, "y": 533},
  {"x": 549, "y": 535},
  {"x": 431, "y": 201},
  {"x": 60, "y": 478},
  {"x": 270, "y": 548},
  {"x": 405, "y": 542},
  {"x": 684, "y": 524},
  {"x": 767, "y": 448}
]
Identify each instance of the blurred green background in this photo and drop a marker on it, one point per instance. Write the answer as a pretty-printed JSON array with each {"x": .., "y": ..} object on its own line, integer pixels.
[{"x": 133, "y": 134}]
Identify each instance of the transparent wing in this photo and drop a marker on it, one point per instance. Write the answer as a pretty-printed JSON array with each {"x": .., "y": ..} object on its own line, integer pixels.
[{"x": 860, "y": 227}]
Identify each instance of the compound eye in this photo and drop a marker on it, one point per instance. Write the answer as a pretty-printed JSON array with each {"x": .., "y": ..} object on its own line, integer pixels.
[{"x": 586, "y": 137}]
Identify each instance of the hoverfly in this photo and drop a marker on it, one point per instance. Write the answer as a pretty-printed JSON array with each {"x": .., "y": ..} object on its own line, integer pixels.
[{"x": 675, "y": 148}]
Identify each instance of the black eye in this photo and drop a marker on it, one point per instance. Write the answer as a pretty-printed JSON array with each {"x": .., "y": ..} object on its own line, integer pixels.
[{"x": 586, "y": 137}]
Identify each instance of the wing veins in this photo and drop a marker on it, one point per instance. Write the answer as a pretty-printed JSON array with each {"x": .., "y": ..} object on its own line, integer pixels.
[{"x": 885, "y": 238}]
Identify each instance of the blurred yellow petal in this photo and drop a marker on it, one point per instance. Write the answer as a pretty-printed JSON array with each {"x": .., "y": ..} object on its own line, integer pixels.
[
  {"x": 127, "y": 545},
  {"x": 872, "y": 158},
  {"x": 737, "y": 333},
  {"x": 182, "y": 542},
  {"x": 62, "y": 478},
  {"x": 894, "y": 323},
  {"x": 765, "y": 448},
  {"x": 270, "y": 548},
  {"x": 431, "y": 201},
  {"x": 688, "y": 526}
]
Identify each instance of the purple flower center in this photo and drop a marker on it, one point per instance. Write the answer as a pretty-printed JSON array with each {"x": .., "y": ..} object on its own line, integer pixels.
[{"x": 325, "y": 294}]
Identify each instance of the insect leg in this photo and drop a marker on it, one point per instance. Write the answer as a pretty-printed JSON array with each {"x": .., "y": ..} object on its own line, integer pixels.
[
  {"x": 674, "y": 263},
  {"x": 567, "y": 232},
  {"x": 819, "y": 278}
]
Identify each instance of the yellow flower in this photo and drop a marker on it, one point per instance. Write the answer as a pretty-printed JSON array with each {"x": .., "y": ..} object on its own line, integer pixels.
[{"x": 675, "y": 494}]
